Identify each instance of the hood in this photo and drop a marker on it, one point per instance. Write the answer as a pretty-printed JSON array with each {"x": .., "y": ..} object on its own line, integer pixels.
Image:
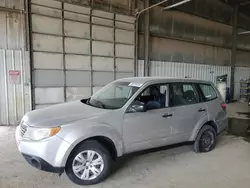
[{"x": 61, "y": 114}]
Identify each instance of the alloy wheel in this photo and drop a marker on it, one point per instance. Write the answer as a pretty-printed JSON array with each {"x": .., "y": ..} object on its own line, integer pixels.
[{"x": 88, "y": 165}]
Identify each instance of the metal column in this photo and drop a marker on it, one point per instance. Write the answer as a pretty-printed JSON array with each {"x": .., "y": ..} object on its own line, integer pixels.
[
  {"x": 30, "y": 41},
  {"x": 146, "y": 39},
  {"x": 234, "y": 48}
]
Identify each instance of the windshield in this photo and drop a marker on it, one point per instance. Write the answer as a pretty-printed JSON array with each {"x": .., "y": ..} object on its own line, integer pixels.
[{"x": 113, "y": 96}]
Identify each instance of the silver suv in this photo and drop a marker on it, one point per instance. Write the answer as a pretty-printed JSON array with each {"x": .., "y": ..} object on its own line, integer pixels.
[{"x": 83, "y": 137}]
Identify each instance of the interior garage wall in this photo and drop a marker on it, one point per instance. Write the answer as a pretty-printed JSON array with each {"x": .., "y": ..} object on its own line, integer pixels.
[
  {"x": 76, "y": 50},
  {"x": 196, "y": 39},
  {"x": 180, "y": 25},
  {"x": 15, "y": 96},
  {"x": 217, "y": 11},
  {"x": 181, "y": 37},
  {"x": 183, "y": 44},
  {"x": 170, "y": 50}
]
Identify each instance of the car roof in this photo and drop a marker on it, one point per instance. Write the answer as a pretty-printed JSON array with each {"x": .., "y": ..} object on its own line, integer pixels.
[{"x": 143, "y": 80}]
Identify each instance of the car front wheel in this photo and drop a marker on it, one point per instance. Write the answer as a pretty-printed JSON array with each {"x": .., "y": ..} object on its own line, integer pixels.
[{"x": 89, "y": 164}]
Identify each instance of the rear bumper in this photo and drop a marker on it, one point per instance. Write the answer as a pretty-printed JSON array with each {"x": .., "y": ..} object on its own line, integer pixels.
[
  {"x": 222, "y": 126},
  {"x": 41, "y": 164},
  {"x": 221, "y": 131}
]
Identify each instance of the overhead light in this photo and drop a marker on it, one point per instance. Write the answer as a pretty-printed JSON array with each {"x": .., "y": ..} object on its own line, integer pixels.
[
  {"x": 176, "y": 4},
  {"x": 244, "y": 33}
]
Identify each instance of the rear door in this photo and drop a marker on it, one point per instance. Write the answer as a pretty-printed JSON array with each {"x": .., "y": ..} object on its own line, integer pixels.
[
  {"x": 214, "y": 105},
  {"x": 187, "y": 109}
]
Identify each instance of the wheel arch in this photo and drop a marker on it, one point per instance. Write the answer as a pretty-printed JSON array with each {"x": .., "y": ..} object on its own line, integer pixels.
[
  {"x": 199, "y": 127},
  {"x": 106, "y": 141},
  {"x": 212, "y": 124}
]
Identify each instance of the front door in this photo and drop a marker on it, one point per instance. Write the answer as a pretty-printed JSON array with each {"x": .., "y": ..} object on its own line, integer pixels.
[{"x": 150, "y": 129}]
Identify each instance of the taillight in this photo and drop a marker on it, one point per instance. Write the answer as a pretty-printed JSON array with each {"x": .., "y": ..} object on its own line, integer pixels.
[{"x": 224, "y": 106}]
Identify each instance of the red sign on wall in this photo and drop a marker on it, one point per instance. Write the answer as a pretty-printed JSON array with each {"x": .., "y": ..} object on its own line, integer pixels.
[{"x": 14, "y": 76}]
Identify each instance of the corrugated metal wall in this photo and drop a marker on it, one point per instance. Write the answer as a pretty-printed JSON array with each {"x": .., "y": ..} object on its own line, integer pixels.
[
  {"x": 196, "y": 71},
  {"x": 182, "y": 70},
  {"x": 11, "y": 30},
  {"x": 80, "y": 51},
  {"x": 12, "y": 25},
  {"x": 15, "y": 96},
  {"x": 17, "y": 4}
]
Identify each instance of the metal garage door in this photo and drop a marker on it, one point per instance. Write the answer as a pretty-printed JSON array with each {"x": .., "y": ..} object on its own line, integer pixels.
[{"x": 77, "y": 50}]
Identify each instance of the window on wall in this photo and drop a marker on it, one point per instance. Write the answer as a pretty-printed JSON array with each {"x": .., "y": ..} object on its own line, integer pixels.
[
  {"x": 208, "y": 92},
  {"x": 183, "y": 94}
]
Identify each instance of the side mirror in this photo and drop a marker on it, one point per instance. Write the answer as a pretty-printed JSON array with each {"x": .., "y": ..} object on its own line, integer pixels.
[{"x": 136, "y": 107}]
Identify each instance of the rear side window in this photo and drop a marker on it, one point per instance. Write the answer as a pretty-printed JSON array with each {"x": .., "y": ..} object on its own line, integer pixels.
[
  {"x": 183, "y": 94},
  {"x": 208, "y": 92}
]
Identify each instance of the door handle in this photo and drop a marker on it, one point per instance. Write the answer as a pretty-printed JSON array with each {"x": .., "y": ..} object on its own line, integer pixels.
[
  {"x": 167, "y": 115},
  {"x": 202, "y": 110}
]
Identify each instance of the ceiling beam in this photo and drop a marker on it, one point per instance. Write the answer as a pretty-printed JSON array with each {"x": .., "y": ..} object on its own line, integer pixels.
[{"x": 245, "y": 3}]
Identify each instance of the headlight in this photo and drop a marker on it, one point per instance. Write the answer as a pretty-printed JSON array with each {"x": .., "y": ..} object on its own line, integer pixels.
[{"x": 40, "y": 133}]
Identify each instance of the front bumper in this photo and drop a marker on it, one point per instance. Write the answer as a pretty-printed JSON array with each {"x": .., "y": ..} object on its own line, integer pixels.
[
  {"x": 41, "y": 164},
  {"x": 48, "y": 154}
]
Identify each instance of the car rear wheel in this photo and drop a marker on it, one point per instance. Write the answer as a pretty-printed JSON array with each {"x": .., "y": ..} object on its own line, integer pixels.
[
  {"x": 89, "y": 164},
  {"x": 205, "y": 140}
]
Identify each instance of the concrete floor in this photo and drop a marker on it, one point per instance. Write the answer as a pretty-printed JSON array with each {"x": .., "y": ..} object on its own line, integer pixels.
[{"x": 228, "y": 166}]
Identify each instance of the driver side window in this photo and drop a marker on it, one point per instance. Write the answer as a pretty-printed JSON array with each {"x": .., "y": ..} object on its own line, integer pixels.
[{"x": 153, "y": 97}]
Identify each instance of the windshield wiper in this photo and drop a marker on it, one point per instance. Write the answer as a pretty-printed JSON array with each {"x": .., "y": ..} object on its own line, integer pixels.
[
  {"x": 87, "y": 102},
  {"x": 95, "y": 103},
  {"x": 101, "y": 104}
]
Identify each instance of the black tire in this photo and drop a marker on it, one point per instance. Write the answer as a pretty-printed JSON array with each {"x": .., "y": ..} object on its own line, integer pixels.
[
  {"x": 205, "y": 140},
  {"x": 93, "y": 146}
]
